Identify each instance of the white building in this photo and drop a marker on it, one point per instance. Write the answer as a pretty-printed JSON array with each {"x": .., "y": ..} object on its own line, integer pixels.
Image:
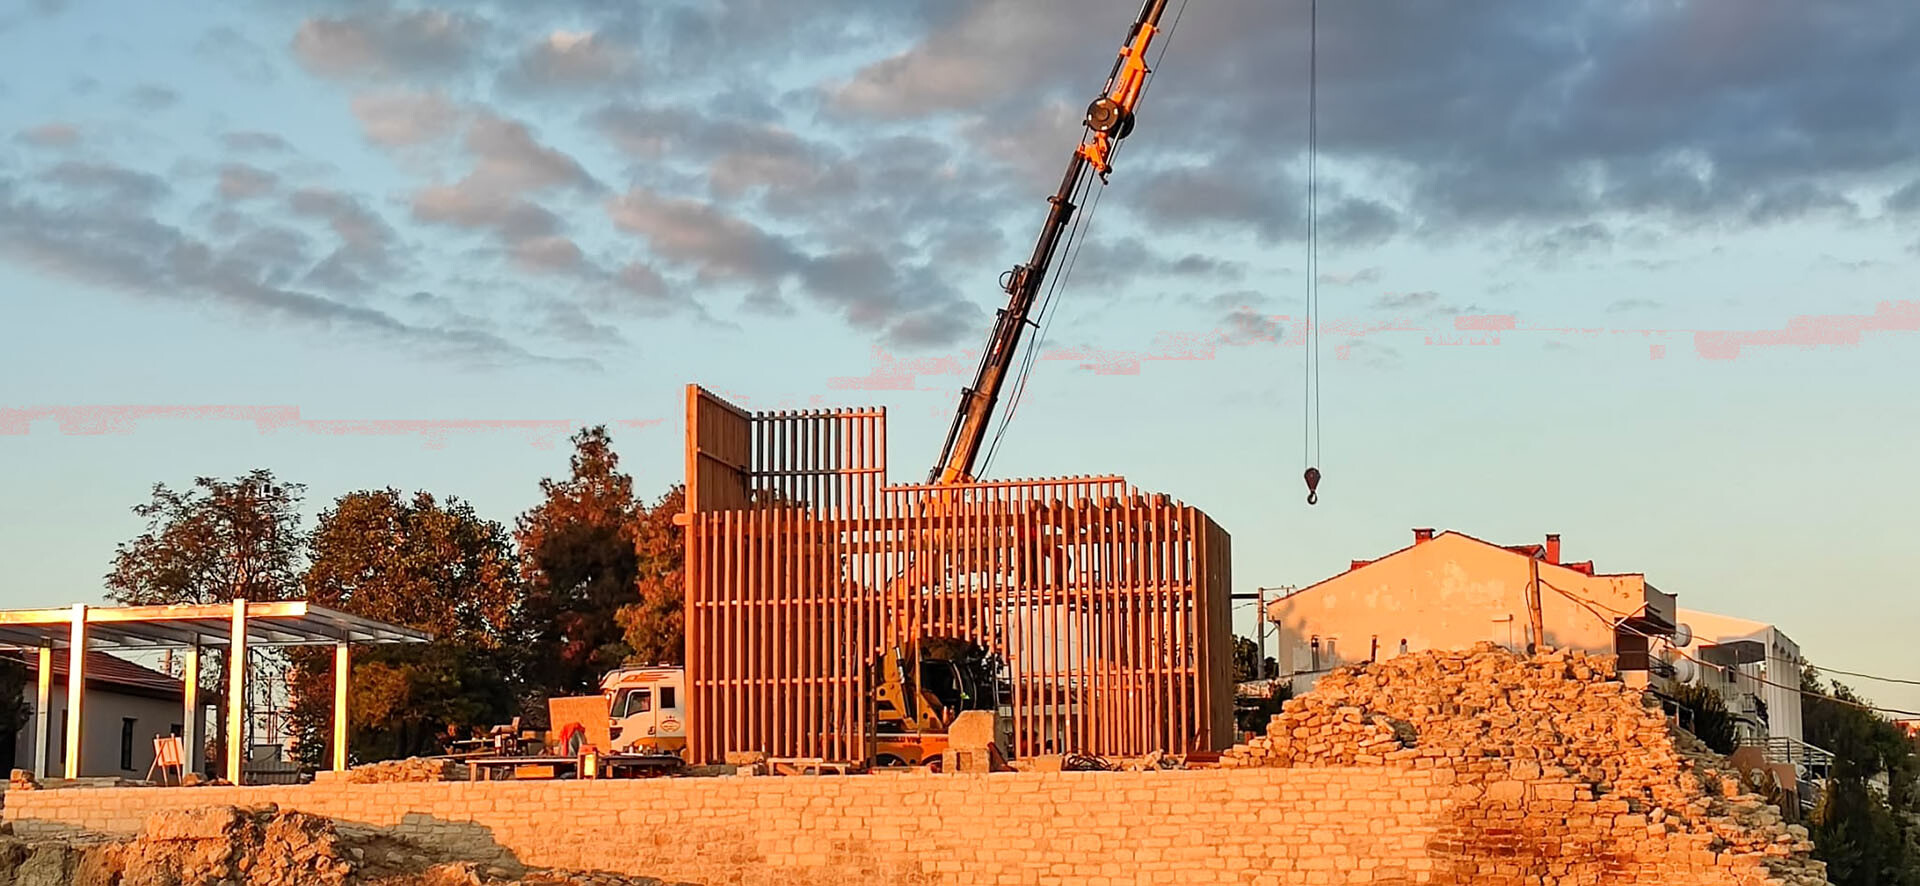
[
  {"x": 127, "y": 707},
  {"x": 1755, "y": 667}
]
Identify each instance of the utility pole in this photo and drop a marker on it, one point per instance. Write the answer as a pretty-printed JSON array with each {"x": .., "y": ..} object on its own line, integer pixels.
[{"x": 1259, "y": 596}]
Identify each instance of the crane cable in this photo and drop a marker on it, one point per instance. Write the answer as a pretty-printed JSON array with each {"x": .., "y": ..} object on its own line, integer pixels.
[
  {"x": 1310, "y": 377},
  {"x": 1075, "y": 240}
]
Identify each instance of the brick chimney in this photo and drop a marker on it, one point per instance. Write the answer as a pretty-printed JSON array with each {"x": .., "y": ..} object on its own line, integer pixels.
[
  {"x": 1422, "y": 535},
  {"x": 1553, "y": 548}
]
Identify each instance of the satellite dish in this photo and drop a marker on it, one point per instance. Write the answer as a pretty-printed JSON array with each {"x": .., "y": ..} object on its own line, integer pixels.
[
  {"x": 1682, "y": 636},
  {"x": 1685, "y": 670}
]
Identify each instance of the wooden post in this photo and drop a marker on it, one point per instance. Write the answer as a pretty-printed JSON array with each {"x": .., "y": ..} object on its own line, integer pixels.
[
  {"x": 237, "y": 693},
  {"x": 76, "y": 687},
  {"x": 43, "y": 714},
  {"x": 342, "y": 681},
  {"x": 190, "y": 733}
]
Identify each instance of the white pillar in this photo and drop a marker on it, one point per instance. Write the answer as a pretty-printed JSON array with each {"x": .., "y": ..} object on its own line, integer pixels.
[
  {"x": 43, "y": 714},
  {"x": 342, "y": 680},
  {"x": 76, "y": 687},
  {"x": 190, "y": 736},
  {"x": 237, "y": 693}
]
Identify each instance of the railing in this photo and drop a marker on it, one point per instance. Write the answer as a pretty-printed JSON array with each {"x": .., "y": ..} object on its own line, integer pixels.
[{"x": 1808, "y": 760}]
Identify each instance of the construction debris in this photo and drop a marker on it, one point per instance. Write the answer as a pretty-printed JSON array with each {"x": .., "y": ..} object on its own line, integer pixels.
[
  {"x": 412, "y": 769},
  {"x": 1552, "y": 728}
]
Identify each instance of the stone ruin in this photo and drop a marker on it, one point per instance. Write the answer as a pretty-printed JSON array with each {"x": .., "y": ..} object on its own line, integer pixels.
[
  {"x": 1564, "y": 774},
  {"x": 262, "y": 846}
]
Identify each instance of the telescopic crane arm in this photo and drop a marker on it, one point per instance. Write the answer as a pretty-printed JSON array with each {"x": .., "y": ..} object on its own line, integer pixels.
[{"x": 1109, "y": 119}]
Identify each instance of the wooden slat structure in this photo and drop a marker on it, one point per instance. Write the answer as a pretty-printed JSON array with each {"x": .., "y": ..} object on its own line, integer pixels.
[{"x": 1107, "y": 608}]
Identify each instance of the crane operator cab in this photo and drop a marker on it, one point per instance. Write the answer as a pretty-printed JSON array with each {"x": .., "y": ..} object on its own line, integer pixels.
[{"x": 648, "y": 709}]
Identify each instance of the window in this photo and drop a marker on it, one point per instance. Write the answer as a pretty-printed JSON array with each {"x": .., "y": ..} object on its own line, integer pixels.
[
  {"x": 1403, "y": 646},
  {"x": 666, "y": 697},
  {"x": 126, "y": 743},
  {"x": 636, "y": 701}
]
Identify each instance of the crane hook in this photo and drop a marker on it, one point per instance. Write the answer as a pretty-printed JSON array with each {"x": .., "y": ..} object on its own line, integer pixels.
[{"x": 1313, "y": 486}]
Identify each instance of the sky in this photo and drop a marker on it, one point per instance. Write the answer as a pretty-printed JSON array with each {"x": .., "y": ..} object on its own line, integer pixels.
[{"x": 1640, "y": 273}]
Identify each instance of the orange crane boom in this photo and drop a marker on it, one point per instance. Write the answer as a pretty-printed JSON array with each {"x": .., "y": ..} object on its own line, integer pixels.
[{"x": 1109, "y": 118}]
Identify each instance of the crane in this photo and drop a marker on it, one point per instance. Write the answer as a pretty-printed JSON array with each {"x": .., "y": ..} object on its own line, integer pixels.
[{"x": 1109, "y": 119}]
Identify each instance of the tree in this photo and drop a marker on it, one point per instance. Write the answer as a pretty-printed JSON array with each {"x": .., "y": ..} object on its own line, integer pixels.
[
  {"x": 436, "y": 567},
  {"x": 214, "y": 542},
  {"x": 580, "y": 558},
  {"x": 1710, "y": 721},
  {"x": 1865, "y": 836},
  {"x": 655, "y": 625},
  {"x": 1245, "y": 654}
]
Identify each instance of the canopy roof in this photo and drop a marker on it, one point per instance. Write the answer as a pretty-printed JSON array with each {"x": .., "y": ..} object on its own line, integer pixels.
[{"x": 278, "y": 623}]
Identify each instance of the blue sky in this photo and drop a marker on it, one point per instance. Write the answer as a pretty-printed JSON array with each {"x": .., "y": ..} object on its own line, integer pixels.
[{"x": 1700, "y": 220}]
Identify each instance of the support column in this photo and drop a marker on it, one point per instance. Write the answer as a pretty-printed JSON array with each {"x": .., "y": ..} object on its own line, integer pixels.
[
  {"x": 342, "y": 681},
  {"x": 237, "y": 693},
  {"x": 191, "y": 737},
  {"x": 76, "y": 688},
  {"x": 43, "y": 714}
]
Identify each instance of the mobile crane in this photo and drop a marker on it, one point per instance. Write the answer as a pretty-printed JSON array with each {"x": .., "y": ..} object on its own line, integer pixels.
[
  {"x": 915, "y": 705},
  {"x": 916, "y": 699}
]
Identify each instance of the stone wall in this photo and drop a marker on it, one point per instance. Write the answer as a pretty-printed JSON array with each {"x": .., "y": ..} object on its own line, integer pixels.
[{"x": 1362, "y": 824}]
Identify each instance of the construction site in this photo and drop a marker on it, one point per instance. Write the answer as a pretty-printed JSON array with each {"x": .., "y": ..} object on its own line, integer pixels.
[{"x": 963, "y": 679}]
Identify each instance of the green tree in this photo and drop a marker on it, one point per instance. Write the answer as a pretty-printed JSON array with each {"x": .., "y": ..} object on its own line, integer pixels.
[
  {"x": 1865, "y": 835},
  {"x": 1245, "y": 654},
  {"x": 656, "y": 625},
  {"x": 1709, "y": 720},
  {"x": 579, "y": 556},
  {"x": 214, "y": 542},
  {"x": 436, "y": 567}
]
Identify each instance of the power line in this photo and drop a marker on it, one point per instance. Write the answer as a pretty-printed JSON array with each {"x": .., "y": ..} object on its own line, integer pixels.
[{"x": 1620, "y": 625}]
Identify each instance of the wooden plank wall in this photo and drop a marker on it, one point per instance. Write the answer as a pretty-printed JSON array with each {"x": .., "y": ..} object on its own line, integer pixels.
[{"x": 1109, "y": 608}]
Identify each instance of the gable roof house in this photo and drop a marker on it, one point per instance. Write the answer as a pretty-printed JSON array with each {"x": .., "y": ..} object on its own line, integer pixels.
[{"x": 1451, "y": 590}]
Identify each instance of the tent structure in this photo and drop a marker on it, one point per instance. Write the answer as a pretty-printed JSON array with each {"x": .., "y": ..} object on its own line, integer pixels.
[{"x": 191, "y": 628}]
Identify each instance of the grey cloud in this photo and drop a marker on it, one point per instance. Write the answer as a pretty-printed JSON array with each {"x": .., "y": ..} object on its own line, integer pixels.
[
  {"x": 546, "y": 253},
  {"x": 380, "y": 44},
  {"x": 101, "y": 181},
  {"x": 1632, "y": 304},
  {"x": 1905, "y": 200},
  {"x": 1244, "y": 326},
  {"x": 262, "y": 142},
  {"x": 238, "y": 54},
  {"x": 149, "y": 97},
  {"x": 50, "y": 135},
  {"x": 365, "y": 254},
  {"x": 1350, "y": 278},
  {"x": 239, "y": 181},
  {"x": 509, "y": 165},
  {"x": 398, "y": 119},
  {"x": 570, "y": 322},
  {"x": 907, "y": 305},
  {"x": 138, "y": 254},
  {"x": 568, "y": 60},
  {"x": 1407, "y": 301}
]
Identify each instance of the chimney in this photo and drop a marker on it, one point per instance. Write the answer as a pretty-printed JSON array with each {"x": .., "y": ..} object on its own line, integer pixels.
[
  {"x": 1422, "y": 535},
  {"x": 1553, "y": 548}
]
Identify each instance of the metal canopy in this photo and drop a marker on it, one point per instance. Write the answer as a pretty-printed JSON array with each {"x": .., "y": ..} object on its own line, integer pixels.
[{"x": 280, "y": 623}]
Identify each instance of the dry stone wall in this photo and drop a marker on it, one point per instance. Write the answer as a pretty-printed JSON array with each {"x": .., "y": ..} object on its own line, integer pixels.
[{"x": 1428, "y": 769}]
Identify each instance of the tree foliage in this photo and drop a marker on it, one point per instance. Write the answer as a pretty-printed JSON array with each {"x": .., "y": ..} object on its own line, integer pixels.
[
  {"x": 1709, "y": 719},
  {"x": 655, "y": 624},
  {"x": 216, "y": 541},
  {"x": 417, "y": 562},
  {"x": 581, "y": 562},
  {"x": 1245, "y": 654},
  {"x": 1865, "y": 834}
]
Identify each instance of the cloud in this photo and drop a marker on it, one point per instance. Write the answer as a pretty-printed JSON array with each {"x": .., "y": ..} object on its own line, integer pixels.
[
  {"x": 257, "y": 142},
  {"x": 239, "y": 55},
  {"x": 365, "y": 257},
  {"x": 149, "y": 97},
  {"x": 106, "y": 182},
  {"x": 1350, "y": 278},
  {"x": 50, "y": 135},
  {"x": 568, "y": 60},
  {"x": 1905, "y": 200},
  {"x": 1408, "y": 301},
  {"x": 120, "y": 245},
  {"x": 1632, "y": 304},
  {"x": 385, "y": 44},
  {"x": 908, "y": 305},
  {"x": 509, "y": 167},
  {"x": 399, "y": 119},
  {"x": 239, "y": 181}
]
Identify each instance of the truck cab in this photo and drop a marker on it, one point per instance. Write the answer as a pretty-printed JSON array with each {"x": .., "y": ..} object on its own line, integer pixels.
[{"x": 648, "y": 707}]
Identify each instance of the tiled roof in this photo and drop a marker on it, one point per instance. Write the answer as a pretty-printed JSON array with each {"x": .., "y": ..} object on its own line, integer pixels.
[{"x": 110, "y": 671}]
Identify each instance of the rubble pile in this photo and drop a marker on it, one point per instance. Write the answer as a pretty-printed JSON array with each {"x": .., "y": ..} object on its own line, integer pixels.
[
  {"x": 262, "y": 846},
  {"x": 1555, "y": 732},
  {"x": 411, "y": 769}
]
